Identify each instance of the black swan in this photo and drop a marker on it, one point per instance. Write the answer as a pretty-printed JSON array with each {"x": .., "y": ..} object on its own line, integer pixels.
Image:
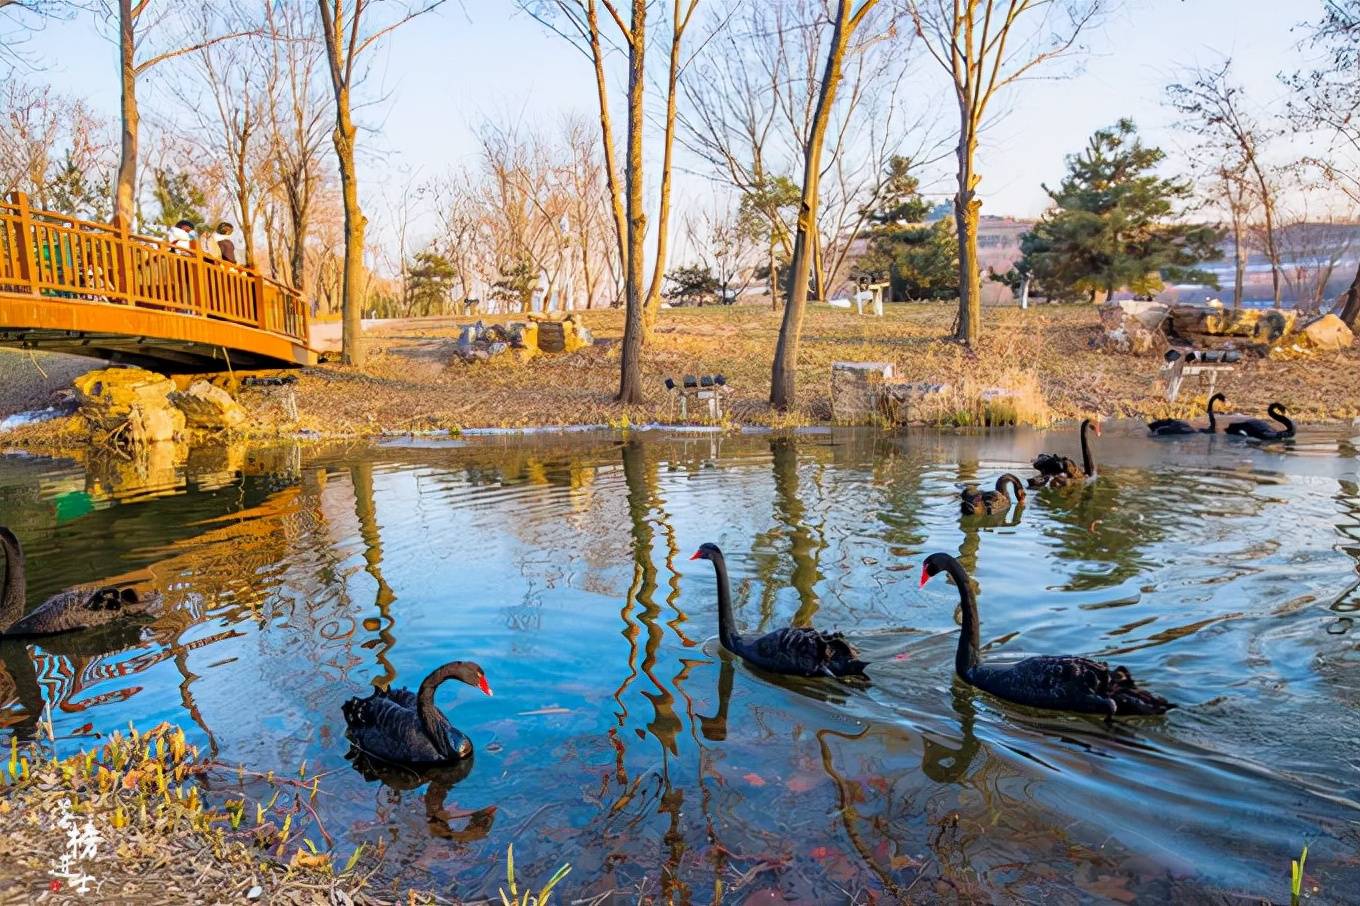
[
  {"x": 991, "y": 502},
  {"x": 1168, "y": 427},
  {"x": 66, "y": 611},
  {"x": 1063, "y": 683},
  {"x": 1057, "y": 471},
  {"x": 1260, "y": 429},
  {"x": 402, "y": 727},
  {"x": 795, "y": 650}
]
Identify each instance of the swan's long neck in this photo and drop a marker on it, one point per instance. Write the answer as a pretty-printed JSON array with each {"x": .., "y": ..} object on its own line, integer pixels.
[
  {"x": 727, "y": 629},
  {"x": 1088, "y": 462},
  {"x": 431, "y": 720},
  {"x": 968, "y": 657},
  {"x": 1277, "y": 412},
  {"x": 12, "y": 593},
  {"x": 1213, "y": 424},
  {"x": 1013, "y": 482}
]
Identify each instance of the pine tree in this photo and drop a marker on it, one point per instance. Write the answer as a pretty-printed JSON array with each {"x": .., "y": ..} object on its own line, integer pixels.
[
  {"x": 919, "y": 261},
  {"x": 1111, "y": 224}
]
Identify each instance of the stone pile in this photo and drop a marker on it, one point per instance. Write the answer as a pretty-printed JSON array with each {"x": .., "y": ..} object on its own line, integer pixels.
[
  {"x": 870, "y": 393},
  {"x": 139, "y": 407},
  {"x": 1144, "y": 328},
  {"x": 542, "y": 333}
]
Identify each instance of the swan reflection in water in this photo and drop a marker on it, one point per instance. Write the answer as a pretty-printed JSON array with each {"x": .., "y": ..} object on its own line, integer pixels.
[{"x": 441, "y": 780}]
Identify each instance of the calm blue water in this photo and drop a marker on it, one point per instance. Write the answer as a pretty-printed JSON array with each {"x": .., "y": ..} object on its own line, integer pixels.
[{"x": 622, "y": 740}]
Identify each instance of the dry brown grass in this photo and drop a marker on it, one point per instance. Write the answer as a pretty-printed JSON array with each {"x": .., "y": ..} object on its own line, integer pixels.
[
  {"x": 161, "y": 838},
  {"x": 1046, "y": 354}
]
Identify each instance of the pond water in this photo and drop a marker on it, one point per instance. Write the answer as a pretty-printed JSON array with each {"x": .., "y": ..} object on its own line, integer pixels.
[{"x": 622, "y": 740}]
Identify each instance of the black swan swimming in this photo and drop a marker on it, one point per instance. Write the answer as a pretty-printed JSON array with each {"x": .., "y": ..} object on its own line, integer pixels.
[
  {"x": 1063, "y": 683},
  {"x": 1168, "y": 427},
  {"x": 66, "y": 611},
  {"x": 795, "y": 650},
  {"x": 1260, "y": 429},
  {"x": 1057, "y": 471},
  {"x": 992, "y": 502},
  {"x": 402, "y": 727}
]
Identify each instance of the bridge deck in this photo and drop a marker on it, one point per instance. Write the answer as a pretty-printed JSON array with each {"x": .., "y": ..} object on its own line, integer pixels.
[{"x": 68, "y": 285}]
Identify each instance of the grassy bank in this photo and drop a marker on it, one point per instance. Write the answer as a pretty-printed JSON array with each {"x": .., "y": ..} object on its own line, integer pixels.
[
  {"x": 409, "y": 383},
  {"x": 1048, "y": 354},
  {"x": 130, "y": 821}
]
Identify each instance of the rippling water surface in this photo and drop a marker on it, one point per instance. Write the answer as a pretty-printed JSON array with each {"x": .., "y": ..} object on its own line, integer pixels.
[{"x": 622, "y": 740}]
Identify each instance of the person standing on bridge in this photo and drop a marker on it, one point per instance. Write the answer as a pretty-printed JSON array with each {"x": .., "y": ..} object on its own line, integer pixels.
[
  {"x": 225, "y": 244},
  {"x": 182, "y": 234}
]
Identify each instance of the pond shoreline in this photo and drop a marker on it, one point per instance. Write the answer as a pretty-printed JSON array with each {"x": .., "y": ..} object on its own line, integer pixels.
[{"x": 415, "y": 385}]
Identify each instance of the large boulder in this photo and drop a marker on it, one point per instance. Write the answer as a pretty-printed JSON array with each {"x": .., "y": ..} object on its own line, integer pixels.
[
  {"x": 209, "y": 408},
  {"x": 1133, "y": 326},
  {"x": 108, "y": 396},
  {"x": 1214, "y": 325},
  {"x": 856, "y": 390},
  {"x": 1326, "y": 334}
]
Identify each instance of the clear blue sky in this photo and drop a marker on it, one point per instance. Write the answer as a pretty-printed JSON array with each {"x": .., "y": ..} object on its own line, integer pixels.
[{"x": 446, "y": 72}]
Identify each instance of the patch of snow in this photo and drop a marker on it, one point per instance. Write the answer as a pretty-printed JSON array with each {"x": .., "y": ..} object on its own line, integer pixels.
[{"x": 31, "y": 417}]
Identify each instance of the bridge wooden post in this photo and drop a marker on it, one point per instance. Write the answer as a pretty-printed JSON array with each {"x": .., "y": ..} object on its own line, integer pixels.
[
  {"x": 261, "y": 309},
  {"x": 26, "y": 249},
  {"x": 198, "y": 264}
]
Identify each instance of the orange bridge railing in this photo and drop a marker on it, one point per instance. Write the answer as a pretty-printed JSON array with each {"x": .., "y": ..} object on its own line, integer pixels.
[{"x": 60, "y": 257}]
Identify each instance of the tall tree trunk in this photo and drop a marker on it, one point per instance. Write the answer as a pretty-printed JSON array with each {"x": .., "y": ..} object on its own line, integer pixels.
[
  {"x": 1239, "y": 262},
  {"x": 123, "y": 201},
  {"x": 1268, "y": 206},
  {"x": 774, "y": 276},
  {"x": 352, "y": 294},
  {"x": 1350, "y": 308},
  {"x": 818, "y": 268},
  {"x": 611, "y": 167},
  {"x": 785, "y": 369},
  {"x": 630, "y": 377},
  {"x": 967, "y": 209},
  {"x": 664, "y": 213}
]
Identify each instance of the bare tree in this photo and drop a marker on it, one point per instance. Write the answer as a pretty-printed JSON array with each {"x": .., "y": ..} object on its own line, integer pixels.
[
  {"x": 148, "y": 33},
  {"x": 1213, "y": 107},
  {"x": 52, "y": 147},
  {"x": 843, "y": 25},
  {"x": 986, "y": 46},
  {"x": 1327, "y": 99},
  {"x": 579, "y": 22},
  {"x": 293, "y": 58},
  {"x": 723, "y": 246},
  {"x": 749, "y": 100},
  {"x": 351, "y": 28},
  {"x": 1230, "y": 183}
]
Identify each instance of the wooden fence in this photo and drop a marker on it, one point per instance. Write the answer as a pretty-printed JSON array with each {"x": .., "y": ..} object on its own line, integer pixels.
[{"x": 59, "y": 257}]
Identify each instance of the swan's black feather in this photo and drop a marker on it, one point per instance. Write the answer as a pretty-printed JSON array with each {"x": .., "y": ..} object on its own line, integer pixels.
[
  {"x": 82, "y": 608},
  {"x": 1068, "y": 683},
  {"x": 386, "y": 725},
  {"x": 1165, "y": 427},
  {"x": 803, "y": 651}
]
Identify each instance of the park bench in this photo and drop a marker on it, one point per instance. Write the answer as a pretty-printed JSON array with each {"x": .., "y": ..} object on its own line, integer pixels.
[
  {"x": 1206, "y": 364},
  {"x": 707, "y": 392}
]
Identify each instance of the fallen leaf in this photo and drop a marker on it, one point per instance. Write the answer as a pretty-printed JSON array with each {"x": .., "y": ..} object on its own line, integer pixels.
[
  {"x": 820, "y": 852},
  {"x": 754, "y": 779}
]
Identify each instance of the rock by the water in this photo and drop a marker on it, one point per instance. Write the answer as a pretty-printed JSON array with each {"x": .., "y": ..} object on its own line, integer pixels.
[
  {"x": 209, "y": 407},
  {"x": 107, "y": 397}
]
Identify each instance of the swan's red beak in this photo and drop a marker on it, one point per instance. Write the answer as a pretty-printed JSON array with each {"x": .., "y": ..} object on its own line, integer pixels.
[
  {"x": 483, "y": 685},
  {"x": 925, "y": 577},
  {"x": 1097, "y": 428},
  {"x": 697, "y": 555}
]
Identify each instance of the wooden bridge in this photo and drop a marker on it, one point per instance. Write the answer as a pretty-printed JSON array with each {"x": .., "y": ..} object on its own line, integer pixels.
[{"x": 68, "y": 285}]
